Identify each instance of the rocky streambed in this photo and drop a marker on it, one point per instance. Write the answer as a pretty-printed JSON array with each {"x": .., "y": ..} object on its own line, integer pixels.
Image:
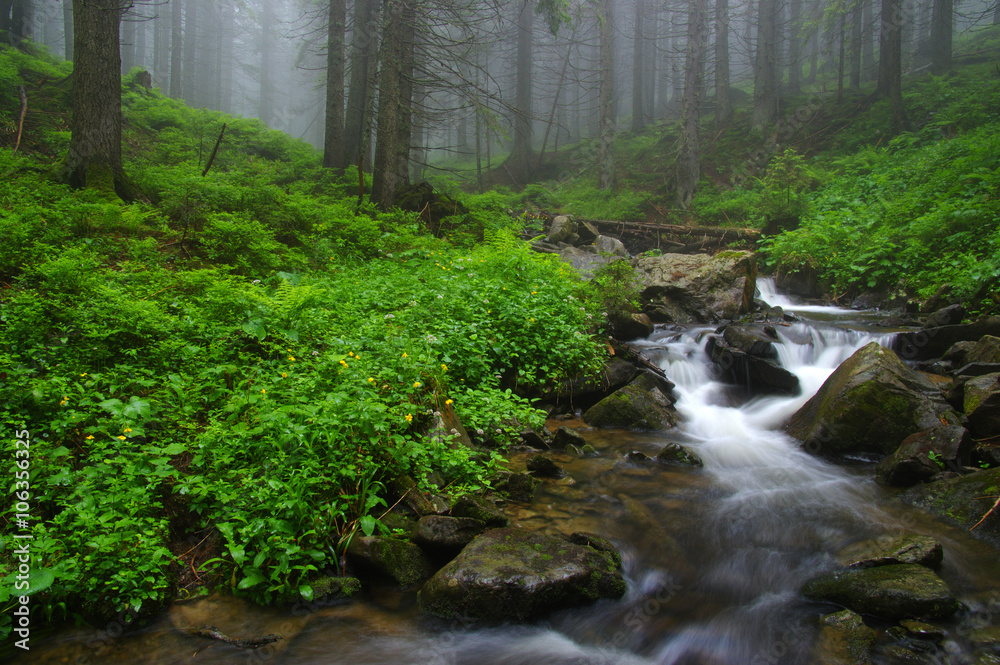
[{"x": 772, "y": 489}]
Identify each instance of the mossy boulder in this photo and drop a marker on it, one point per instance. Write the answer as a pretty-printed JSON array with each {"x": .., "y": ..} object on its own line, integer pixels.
[
  {"x": 639, "y": 405},
  {"x": 566, "y": 437},
  {"x": 441, "y": 535},
  {"x": 923, "y": 455},
  {"x": 674, "y": 453},
  {"x": 981, "y": 403},
  {"x": 844, "y": 639},
  {"x": 934, "y": 342},
  {"x": 399, "y": 561},
  {"x": 888, "y": 551},
  {"x": 585, "y": 390},
  {"x": 894, "y": 592},
  {"x": 478, "y": 508},
  {"x": 986, "y": 350},
  {"x": 517, "y": 575},
  {"x": 871, "y": 403},
  {"x": 962, "y": 501},
  {"x": 697, "y": 288},
  {"x": 757, "y": 371}
]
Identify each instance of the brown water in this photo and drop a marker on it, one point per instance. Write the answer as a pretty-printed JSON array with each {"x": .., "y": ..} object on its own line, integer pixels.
[{"x": 714, "y": 557}]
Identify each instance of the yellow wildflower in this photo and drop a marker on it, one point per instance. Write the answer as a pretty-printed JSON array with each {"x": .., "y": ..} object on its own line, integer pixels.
[
  {"x": 371, "y": 380},
  {"x": 444, "y": 367},
  {"x": 83, "y": 375},
  {"x": 416, "y": 384},
  {"x": 284, "y": 375},
  {"x": 404, "y": 354},
  {"x": 409, "y": 417},
  {"x": 121, "y": 438},
  {"x": 263, "y": 392},
  {"x": 90, "y": 437},
  {"x": 449, "y": 402},
  {"x": 127, "y": 430}
]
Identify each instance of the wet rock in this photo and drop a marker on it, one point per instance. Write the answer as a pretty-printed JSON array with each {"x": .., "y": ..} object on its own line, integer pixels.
[
  {"x": 540, "y": 465},
  {"x": 946, "y": 316},
  {"x": 957, "y": 352},
  {"x": 674, "y": 453},
  {"x": 636, "y": 457},
  {"x": 585, "y": 260},
  {"x": 803, "y": 282},
  {"x": 533, "y": 439},
  {"x": 757, "y": 374},
  {"x": 986, "y": 350},
  {"x": 985, "y": 455},
  {"x": 443, "y": 535},
  {"x": 988, "y": 636},
  {"x": 843, "y": 639},
  {"x": 517, "y": 486},
  {"x": 977, "y": 369},
  {"x": 894, "y": 592},
  {"x": 588, "y": 451},
  {"x": 755, "y": 340},
  {"x": 981, "y": 403},
  {"x": 585, "y": 391},
  {"x": 515, "y": 575},
  {"x": 871, "y": 403},
  {"x": 888, "y": 551},
  {"x": 478, "y": 508},
  {"x": 630, "y": 325},
  {"x": 639, "y": 405},
  {"x": 237, "y": 618},
  {"x": 566, "y": 436},
  {"x": 934, "y": 341},
  {"x": 598, "y": 543},
  {"x": 405, "y": 488},
  {"x": 923, "y": 630},
  {"x": 923, "y": 455},
  {"x": 697, "y": 288},
  {"x": 400, "y": 561},
  {"x": 560, "y": 229},
  {"x": 588, "y": 232},
  {"x": 963, "y": 501}
]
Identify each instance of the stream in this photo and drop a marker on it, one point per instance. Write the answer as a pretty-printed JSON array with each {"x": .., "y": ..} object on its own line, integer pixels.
[{"x": 714, "y": 557}]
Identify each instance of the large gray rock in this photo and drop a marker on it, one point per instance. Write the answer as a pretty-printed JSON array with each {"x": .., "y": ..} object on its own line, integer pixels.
[
  {"x": 696, "y": 288},
  {"x": 585, "y": 390},
  {"x": 757, "y": 373},
  {"x": 872, "y": 402},
  {"x": 639, "y": 405},
  {"x": 478, "y": 508},
  {"x": 442, "y": 535},
  {"x": 585, "y": 260},
  {"x": 963, "y": 500},
  {"x": 561, "y": 229},
  {"x": 935, "y": 341},
  {"x": 894, "y": 592},
  {"x": 986, "y": 350},
  {"x": 925, "y": 454},
  {"x": 981, "y": 403},
  {"x": 516, "y": 575},
  {"x": 612, "y": 246}
]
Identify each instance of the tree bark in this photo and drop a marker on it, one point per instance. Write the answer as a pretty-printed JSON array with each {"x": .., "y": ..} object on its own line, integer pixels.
[
  {"x": 190, "y": 48},
  {"x": 765, "y": 89},
  {"x": 890, "y": 78},
  {"x": 723, "y": 105},
  {"x": 520, "y": 162},
  {"x": 941, "y": 36},
  {"x": 94, "y": 159},
  {"x": 688, "y": 166},
  {"x": 333, "y": 135},
  {"x": 855, "y": 57},
  {"x": 176, "y": 37},
  {"x": 638, "y": 74},
  {"x": 389, "y": 147},
  {"x": 362, "y": 40},
  {"x": 868, "y": 46},
  {"x": 606, "y": 101}
]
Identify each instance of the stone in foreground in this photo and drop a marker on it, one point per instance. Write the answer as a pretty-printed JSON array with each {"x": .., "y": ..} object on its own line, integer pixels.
[
  {"x": 904, "y": 591},
  {"x": 922, "y": 550},
  {"x": 517, "y": 575},
  {"x": 843, "y": 639}
]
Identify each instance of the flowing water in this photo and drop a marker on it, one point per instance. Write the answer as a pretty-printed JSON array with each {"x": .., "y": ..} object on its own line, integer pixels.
[{"x": 714, "y": 557}]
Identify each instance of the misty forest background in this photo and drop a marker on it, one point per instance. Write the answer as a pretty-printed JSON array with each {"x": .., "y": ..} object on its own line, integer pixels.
[{"x": 229, "y": 359}]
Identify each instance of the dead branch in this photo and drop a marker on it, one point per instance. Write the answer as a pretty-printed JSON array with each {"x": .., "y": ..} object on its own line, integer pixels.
[
  {"x": 211, "y": 158},
  {"x": 24, "y": 110},
  {"x": 213, "y": 633},
  {"x": 988, "y": 513}
]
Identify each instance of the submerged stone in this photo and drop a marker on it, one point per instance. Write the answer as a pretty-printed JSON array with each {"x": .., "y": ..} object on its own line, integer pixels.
[
  {"x": 921, "y": 550},
  {"x": 843, "y": 639}
]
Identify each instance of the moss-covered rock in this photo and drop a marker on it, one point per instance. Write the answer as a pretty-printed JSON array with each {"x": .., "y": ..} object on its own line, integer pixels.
[
  {"x": 567, "y": 436},
  {"x": 963, "y": 501},
  {"x": 921, "y": 550},
  {"x": 639, "y": 405},
  {"x": 399, "y": 561},
  {"x": 478, "y": 508},
  {"x": 674, "y": 453},
  {"x": 923, "y": 455},
  {"x": 982, "y": 405},
  {"x": 516, "y": 575},
  {"x": 844, "y": 639},
  {"x": 446, "y": 536},
  {"x": 894, "y": 592},
  {"x": 871, "y": 403}
]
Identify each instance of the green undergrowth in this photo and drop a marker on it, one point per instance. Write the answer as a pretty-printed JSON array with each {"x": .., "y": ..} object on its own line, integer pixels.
[{"x": 247, "y": 358}]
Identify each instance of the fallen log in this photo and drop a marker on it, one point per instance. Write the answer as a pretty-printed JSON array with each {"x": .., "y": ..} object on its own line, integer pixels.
[
  {"x": 213, "y": 633},
  {"x": 678, "y": 229}
]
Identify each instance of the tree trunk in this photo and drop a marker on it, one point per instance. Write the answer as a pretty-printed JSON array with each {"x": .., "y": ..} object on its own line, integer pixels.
[
  {"x": 389, "y": 146},
  {"x": 176, "y": 37},
  {"x": 723, "y": 105},
  {"x": 140, "y": 44},
  {"x": 333, "y": 135},
  {"x": 841, "y": 54},
  {"x": 606, "y": 99},
  {"x": 856, "y": 18},
  {"x": 890, "y": 77},
  {"x": 404, "y": 140},
  {"x": 266, "y": 52},
  {"x": 941, "y": 36},
  {"x": 795, "y": 47},
  {"x": 94, "y": 159},
  {"x": 868, "y": 46},
  {"x": 227, "y": 30},
  {"x": 688, "y": 167},
  {"x": 765, "y": 89},
  {"x": 362, "y": 40},
  {"x": 638, "y": 75},
  {"x": 190, "y": 47},
  {"x": 127, "y": 44},
  {"x": 68, "y": 29},
  {"x": 520, "y": 162}
]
